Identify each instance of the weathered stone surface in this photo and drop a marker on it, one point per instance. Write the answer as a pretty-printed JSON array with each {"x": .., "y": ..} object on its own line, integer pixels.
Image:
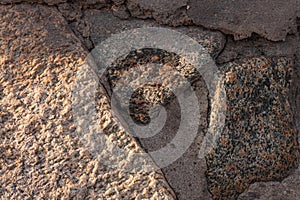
[
  {"x": 270, "y": 19},
  {"x": 212, "y": 41},
  {"x": 287, "y": 189},
  {"x": 187, "y": 174},
  {"x": 259, "y": 142},
  {"x": 72, "y": 12},
  {"x": 120, "y": 11},
  {"x": 257, "y": 46},
  {"x": 42, "y": 156},
  {"x": 96, "y": 4},
  {"x": 163, "y": 11},
  {"x": 49, "y": 2}
]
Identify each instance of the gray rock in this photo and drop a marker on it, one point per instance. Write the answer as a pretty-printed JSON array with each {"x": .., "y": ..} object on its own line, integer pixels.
[
  {"x": 163, "y": 11},
  {"x": 270, "y": 19},
  {"x": 288, "y": 189},
  {"x": 212, "y": 41},
  {"x": 120, "y": 11},
  {"x": 257, "y": 46},
  {"x": 49, "y": 2}
]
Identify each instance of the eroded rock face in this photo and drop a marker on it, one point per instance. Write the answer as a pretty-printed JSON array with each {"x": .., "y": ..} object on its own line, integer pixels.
[
  {"x": 186, "y": 175},
  {"x": 40, "y": 55},
  {"x": 42, "y": 156},
  {"x": 167, "y": 70},
  {"x": 257, "y": 46},
  {"x": 212, "y": 41},
  {"x": 166, "y": 12},
  {"x": 49, "y": 2},
  {"x": 269, "y": 19}
]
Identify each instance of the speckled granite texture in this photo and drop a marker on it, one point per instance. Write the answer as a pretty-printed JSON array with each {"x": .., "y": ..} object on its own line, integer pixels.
[
  {"x": 43, "y": 44},
  {"x": 259, "y": 142}
]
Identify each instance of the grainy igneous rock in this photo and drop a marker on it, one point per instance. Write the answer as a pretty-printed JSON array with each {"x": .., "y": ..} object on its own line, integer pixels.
[{"x": 42, "y": 157}]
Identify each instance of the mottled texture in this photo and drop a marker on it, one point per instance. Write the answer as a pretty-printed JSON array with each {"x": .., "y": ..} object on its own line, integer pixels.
[
  {"x": 185, "y": 175},
  {"x": 167, "y": 70},
  {"x": 41, "y": 154},
  {"x": 42, "y": 45},
  {"x": 287, "y": 189},
  {"x": 259, "y": 142}
]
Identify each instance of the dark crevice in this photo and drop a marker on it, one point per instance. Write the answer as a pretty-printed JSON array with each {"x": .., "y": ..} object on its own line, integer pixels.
[{"x": 223, "y": 49}]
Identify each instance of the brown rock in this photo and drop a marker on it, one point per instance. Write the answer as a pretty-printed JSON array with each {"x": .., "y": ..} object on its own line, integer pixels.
[{"x": 43, "y": 153}]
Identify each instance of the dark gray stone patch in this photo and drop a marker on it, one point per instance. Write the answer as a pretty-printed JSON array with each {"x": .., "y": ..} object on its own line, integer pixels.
[
  {"x": 257, "y": 46},
  {"x": 168, "y": 12},
  {"x": 270, "y": 19},
  {"x": 288, "y": 189}
]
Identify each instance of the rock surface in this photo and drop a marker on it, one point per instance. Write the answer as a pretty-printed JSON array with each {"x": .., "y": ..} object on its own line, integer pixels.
[
  {"x": 212, "y": 41},
  {"x": 270, "y": 19},
  {"x": 257, "y": 46},
  {"x": 42, "y": 157},
  {"x": 43, "y": 46},
  {"x": 259, "y": 142},
  {"x": 186, "y": 175},
  {"x": 286, "y": 189},
  {"x": 49, "y": 2},
  {"x": 163, "y": 11}
]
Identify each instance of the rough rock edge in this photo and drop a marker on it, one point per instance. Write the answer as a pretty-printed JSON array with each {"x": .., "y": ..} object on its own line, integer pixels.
[{"x": 125, "y": 9}]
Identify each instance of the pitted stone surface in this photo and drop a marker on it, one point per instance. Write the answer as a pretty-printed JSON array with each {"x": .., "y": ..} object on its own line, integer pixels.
[
  {"x": 41, "y": 154},
  {"x": 259, "y": 142},
  {"x": 41, "y": 158},
  {"x": 185, "y": 175}
]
